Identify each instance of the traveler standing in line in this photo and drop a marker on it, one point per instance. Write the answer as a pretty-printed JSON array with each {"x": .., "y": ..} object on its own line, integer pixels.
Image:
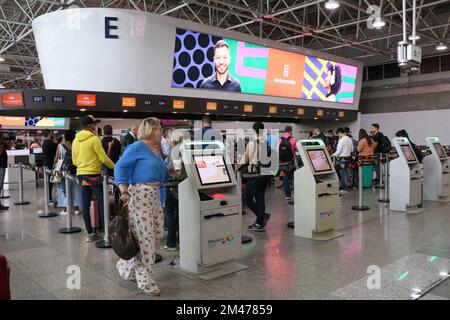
[
  {"x": 177, "y": 173},
  {"x": 3, "y": 166},
  {"x": 68, "y": 166},
  {"x": 140, "y": 174},
  {"x": 318, "y": 134},
  {"x": 377, "y": 137},
  {"x": 111, "y": 146},
  {"x": 365, "y": 145},
  {"x": 287, "y": 145},
  {"x": 331, "y": 142},
  {"x": 60, "y": 194},
  {"x": 49, "y": 150},
  {"x": 344, "y": 150},
  {"x": 131, "y": 136},
  {"x": 255, "y": 186},
  {"x": 88, "y": 156}
]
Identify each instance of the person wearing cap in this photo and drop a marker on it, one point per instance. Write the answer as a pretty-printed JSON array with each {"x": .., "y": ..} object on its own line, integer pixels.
[{"x": 88, "y": 156}]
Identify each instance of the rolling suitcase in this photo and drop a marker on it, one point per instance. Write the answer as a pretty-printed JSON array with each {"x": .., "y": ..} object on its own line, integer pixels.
[
  {"x": 5, "y": 293},
  {"x": 94, "y": 213}
]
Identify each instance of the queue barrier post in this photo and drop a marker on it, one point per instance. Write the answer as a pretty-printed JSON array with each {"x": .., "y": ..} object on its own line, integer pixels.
[
  {"x": 21, "y": 201},
  {"x": 360, "y": 206},
  {"x": 69, "y": 228},
  {"x": 47, "y": 213},
  {"x": 105, "y": 243},
  {"x": 384, "y": 195}
]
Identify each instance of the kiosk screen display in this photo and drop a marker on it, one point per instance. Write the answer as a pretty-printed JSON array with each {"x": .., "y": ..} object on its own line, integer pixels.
[
  {"x": 319, "y": 160},
  {"x": 211, "y": 169},
  {"x": 36, "y": 151},
  {"x": 409, "y": 154},
  {"x": 440, "y": 151}
]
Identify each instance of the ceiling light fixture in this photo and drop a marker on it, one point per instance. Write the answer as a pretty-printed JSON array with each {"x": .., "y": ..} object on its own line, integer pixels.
[
  {"x": 441, "y": 46},
  {"x": 411, "y": 37},
  {"x": 331, "y": 4},
  {"x": 2, "y": 59},
  {"x": 2, "y": 86},
  {"x": 379, "y": 23}
]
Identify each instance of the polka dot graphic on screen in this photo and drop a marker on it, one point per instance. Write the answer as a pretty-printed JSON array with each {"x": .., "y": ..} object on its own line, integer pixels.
[
  {"x": 193, "y": 58},
  {"x": 31, "y": 121}
]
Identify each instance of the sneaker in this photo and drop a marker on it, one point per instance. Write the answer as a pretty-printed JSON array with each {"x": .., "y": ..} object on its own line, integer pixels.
[
  {"x": 2, "y": 207},
  {"x": 77, "y": 212},
  {"x": 287, "y": 198},
  {"x": 63, "y": 213},
  {"x": 266, "y": 219},
  {"x": 154, "y": 292},
  {"x": 91, "y": 237},
  {"x": 256, "y": 227},
  {"x": 343, "y": 191},
  {"x": 170, "y": 249}
]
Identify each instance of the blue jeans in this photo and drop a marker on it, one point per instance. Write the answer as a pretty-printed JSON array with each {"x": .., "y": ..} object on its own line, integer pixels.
[
  {"x": 171, "y": 219},
  {"x": 343, "y": 174},
  {"x": 288, "y": 178},
  {"x": 254, "y": 197},
  {"x": 377, "y": 168},
  {"x": 86, "y": 196}
]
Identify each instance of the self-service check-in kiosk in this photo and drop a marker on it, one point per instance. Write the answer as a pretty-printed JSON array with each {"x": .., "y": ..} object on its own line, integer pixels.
[
  {"x": 316, "y": 205},
  {"x": 210, "y": 212},
  {"x": 405, "y": 179},
  {"x": 436, "y": 172}
]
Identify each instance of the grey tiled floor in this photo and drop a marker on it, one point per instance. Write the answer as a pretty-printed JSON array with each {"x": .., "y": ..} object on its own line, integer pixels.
[{"x": 281, "y": 266}]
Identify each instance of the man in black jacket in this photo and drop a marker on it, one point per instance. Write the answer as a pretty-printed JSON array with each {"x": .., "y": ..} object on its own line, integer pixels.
[
  {"x": 131, "y": 136},
  {"x": 111, "y": 146},
  {"x": 49, "y": 150}
]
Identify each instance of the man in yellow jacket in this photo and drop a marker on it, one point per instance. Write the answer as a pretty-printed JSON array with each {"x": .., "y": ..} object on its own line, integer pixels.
[{"x": 88, "y": 156}]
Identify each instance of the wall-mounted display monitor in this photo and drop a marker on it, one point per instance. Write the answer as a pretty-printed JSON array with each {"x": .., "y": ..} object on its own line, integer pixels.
[
  {"x": 439, "y": 150},
  {"x": 409, "y": 153},
  {"x": 319, "y": 160},
  {"x": 211, "y": 169},
  {"x": 204, "y": 61}
]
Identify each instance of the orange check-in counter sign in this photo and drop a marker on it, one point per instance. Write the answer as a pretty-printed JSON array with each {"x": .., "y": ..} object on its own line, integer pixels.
[
  {"x": 12, "y": 99},
  {"x": 86, "y": 100}
]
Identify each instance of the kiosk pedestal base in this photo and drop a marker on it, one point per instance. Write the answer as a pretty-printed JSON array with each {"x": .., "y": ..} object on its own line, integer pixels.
[
  {"x": 409, "y": 211},
  {"x": 66, "y": 230},
  {"x": 216, "y": 271},
  {"x": 326, "y": 235},
  {"x": 360, "y": 208},
  {"x": 246, "y": 239}
]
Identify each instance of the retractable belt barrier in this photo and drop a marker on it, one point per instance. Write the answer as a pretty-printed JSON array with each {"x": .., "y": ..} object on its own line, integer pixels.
[
  {"x": 47, "y": 213},
  {"x": 69, "y": 228},
  {"x": 361, "y": 161}
]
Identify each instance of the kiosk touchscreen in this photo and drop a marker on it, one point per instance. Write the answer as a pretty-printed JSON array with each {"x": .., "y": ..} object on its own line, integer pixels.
[
  {"x": 436, "y": 172},
  {"x": 210, "y": 211},
  {"x": 405, "y": 178},
  {"x": 316, "y": 204}
]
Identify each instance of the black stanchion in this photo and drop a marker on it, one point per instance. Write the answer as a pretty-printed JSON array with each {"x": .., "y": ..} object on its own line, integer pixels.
[
  {"x": 47, "y": 213},
  {"x": 360, "y": 206},
  {"x": 21, "y": 202},
  {"x": 384, "y": 195},
  {"x": 69, "y": 209},
  {"x": 105, "y": 243}
]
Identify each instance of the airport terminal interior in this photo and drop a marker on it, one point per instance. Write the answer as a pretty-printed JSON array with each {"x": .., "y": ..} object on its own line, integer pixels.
[{"x": 224, "y": 150}]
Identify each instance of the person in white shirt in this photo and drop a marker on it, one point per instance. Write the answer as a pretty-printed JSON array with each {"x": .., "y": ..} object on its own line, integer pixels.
[{"x": 344, "y": 149}]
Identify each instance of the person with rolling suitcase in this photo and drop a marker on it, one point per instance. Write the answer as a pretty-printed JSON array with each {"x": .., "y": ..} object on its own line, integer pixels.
[{"x": 88, "y": 156}]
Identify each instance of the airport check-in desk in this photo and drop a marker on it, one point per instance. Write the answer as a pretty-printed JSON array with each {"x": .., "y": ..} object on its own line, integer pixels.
[
  {"x": 210, "y": 211},
  {"x": 405, "y": 179},
  {"x": 436, "y": 172},
  {"x": 316, "y": 205}
]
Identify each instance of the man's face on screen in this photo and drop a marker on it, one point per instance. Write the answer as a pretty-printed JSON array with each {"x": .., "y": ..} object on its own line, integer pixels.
[{"x": 222, "y": 60}]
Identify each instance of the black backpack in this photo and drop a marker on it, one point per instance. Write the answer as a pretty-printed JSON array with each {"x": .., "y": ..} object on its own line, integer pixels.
[
  {"x": 385, "y": 144},
  {"x": 285, "y": 150}
]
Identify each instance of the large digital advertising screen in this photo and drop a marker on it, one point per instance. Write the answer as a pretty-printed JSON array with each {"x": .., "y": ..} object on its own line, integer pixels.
[
  {"x": 23, "y": 122},
  {"x": 204, "y": 61}
]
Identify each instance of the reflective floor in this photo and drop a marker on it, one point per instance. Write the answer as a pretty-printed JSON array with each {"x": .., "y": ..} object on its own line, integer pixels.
[{"x": 382, "y": 255}]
